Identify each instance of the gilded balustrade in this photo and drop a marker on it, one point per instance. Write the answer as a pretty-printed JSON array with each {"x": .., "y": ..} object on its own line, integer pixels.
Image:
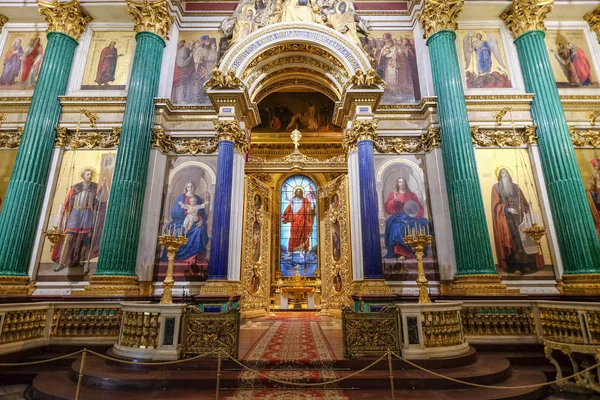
[
  {"x": 370, "y": 333},
  {"x": 22, "y": 325},
  {"x": 593, "y": 324},
  {"x": 86, "y": 322},
  {"x": 562, "y": 325},
  {"x": 441, "y": 329},
  {"x": 205, "y": 332},
  {"x": 140, "y": 330},
  {"x": 498, "y": 321}
]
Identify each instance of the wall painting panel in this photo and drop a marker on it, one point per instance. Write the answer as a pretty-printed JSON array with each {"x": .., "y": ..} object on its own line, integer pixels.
[
  {"x": 108, "y": 61},
  {"x": 396, "y": 62},
  {"x": 589, "y": 166},
  {"x": 187, "y": 209},
  {"x": 197, "y": 54},
  {"x": 483, "y": 59},
  {"x": 22, "y": 58},
  {"x": 511, "y": 205},
  {"x": 570, "y": 59},
  {"x": 79, "y": 208},
  {"x": 403, "y": 205}
]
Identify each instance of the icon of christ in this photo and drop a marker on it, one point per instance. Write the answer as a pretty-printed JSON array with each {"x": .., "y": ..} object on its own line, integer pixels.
[{"x": 300, "y": 213}]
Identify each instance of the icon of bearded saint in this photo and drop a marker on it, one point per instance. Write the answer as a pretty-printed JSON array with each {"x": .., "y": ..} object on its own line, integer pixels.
[{"x": 300, "y": 213}]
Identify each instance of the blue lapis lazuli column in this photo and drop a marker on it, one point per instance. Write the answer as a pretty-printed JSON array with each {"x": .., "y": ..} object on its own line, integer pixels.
[
  {"x": 371, "y": 245},
  {"x": 219, "y": 249}
]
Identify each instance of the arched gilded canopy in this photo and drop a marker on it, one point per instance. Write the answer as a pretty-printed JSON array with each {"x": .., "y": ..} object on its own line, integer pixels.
[{"x": 290, "y": 56}]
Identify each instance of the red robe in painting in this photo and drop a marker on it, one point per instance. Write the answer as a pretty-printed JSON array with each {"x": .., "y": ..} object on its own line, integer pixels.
[
  {"x": 107, "y": 65},
  {"x": 581, "y": 66},
  {"x": 301, "y": 225},
  {"x": 29, "y": 60},
  {"x": 506, "y": 236}
]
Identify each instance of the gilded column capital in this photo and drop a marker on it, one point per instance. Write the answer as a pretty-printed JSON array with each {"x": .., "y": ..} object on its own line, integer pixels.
[
  {"x": 231, "y": 130},
  {"x": 439, "y": 15},
  {"x": 151, "y": 16},
  {"x": 592, "y": 18},
  {"x": 3, "y": 20},
  {"x": 67, "y": 18},
  {"x": 360, "y": 130},
  {"x": 526, "y": 15}
]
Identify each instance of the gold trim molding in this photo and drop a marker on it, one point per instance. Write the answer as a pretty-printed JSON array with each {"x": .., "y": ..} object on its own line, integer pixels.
[
  {"x": 399, "y": 145},
  {"x": 166, "y": 143},
  {"x": 16, "y": 286},
  {"x": 111, "y": 285},
  {"x": 3, "y": 21},
  {"x": 370, "y": 287},
  {"x": 593, "y": 18},
  {"x": 151, "y": 16},
  {"x": 67, "y": 18},
  {"x": 503, "y": 138},
  {"x": 221, "y": 288},
  {"x": 526, "y": 15},
  {"x": 439, "y": 15},
  {"x": 584, "y": 138},
  {"x": 480, "y": 284},
  {"x": 297, "y": 161},
  {"x": 581, "y": 284},
  {"x": 76, "y": 139}
]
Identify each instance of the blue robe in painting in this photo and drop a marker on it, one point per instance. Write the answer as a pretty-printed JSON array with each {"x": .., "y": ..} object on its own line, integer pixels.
[
  {"x": 197, "y": 236},
  {"x": 484, "y": 58},
  {"x": 394, "y": 231}
]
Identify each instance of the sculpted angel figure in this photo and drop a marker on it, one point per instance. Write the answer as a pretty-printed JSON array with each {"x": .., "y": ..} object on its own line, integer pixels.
[
  {"x": 248, "y": 16},
  {"x": 346, "y": 21},
  {"x": 484, "y": 50}
]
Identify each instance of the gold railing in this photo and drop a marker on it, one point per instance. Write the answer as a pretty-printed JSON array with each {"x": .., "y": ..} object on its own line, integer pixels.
[
  {"x": 370, "y": 333},
  {"x": 441, "y": 328},
  {"x": 140, "y": 330},
  {"x": 86, "y": 322},
  {"x": 205, "y": 332},
  {"x": 498, "y": 321},
  {"x": 22, "y": 325},
  {"x": 577, "y": 353},
  {"x": 563, "y": 325}
]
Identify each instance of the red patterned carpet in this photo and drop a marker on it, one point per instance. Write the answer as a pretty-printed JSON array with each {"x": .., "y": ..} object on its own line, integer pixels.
[{"x": 293, "y": 349}]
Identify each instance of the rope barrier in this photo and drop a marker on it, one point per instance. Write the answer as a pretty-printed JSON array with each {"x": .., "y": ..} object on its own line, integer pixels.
[{"x": 221, "y": 352}]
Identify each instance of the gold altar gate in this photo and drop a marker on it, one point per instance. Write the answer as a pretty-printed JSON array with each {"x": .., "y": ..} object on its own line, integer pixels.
[{"x": 264, "y": 287}]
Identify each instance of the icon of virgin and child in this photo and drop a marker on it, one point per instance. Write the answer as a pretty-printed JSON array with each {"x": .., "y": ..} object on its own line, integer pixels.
[{"x": 189, "y": 217}]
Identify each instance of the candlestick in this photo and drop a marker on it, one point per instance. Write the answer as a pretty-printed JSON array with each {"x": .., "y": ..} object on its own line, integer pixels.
[
  {"x": 54, "y": 235},
  {"x": 418, "y": 243},
  {"x": 172, "y": 244}
]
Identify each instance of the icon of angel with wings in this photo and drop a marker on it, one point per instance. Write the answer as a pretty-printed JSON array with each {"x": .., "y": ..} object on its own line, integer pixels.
[{"x": 484, "y": 50}]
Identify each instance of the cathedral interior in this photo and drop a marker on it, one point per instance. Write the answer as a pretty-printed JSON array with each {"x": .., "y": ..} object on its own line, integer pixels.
[{"x": 299, "y": 199}]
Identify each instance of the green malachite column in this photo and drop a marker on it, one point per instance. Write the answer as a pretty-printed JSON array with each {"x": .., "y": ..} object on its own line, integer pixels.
[
  {"x": 476, "y": 272},
  {"x": 116, "y": 265},
  {"x": 24, "y": 197},
  {"x": 575, "y": 231}
]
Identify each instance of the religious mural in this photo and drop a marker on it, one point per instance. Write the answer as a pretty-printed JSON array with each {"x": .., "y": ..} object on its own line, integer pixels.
[
  {"x": 22, "y": 58},
  {"x": 7, "y": 160},
  {"x": 589, "y": 167},
  {"x": 403, "y": 205},
  {"x": 286, "y": 111},
  {"x": 396, "y": 62},
  {"x": 187, "y": 210},
  {"x": 197, "y": 54},
  {"x": 512, "y": 205},
  {"x": 109, "y": 61},
  {"x": 570, "y": 59},
  {"x": 483, "y": 58},
  {"x": 79, "y": 209},
  {"x": 299, "y": 241}
]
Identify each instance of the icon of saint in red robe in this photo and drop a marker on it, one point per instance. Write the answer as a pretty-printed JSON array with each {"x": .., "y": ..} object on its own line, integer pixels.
[
  {"x": 300, "y": 213},
  {"x": 107, "y": 65}
]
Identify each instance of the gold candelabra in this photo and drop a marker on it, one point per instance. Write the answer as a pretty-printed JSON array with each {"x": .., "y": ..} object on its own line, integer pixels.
[
  {"x": 54, "y": 235},
  {"x": 536, "y": 232},
  {"x": 418, "y": 239},
  {"x": 172, "y": 243}
]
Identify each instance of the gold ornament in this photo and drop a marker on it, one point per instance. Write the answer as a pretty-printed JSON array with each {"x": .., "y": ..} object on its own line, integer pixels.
[
  {"x": 222, "y": 80},
  {"x": 526, "y": 15},
  {"x": 592, "y": 116},
  {"x": 480, "y": 284},
  {"x": 151, "y": 16},
  {"x": 361, "y": 130},
  {"x": 111, "y": 285},
  {"x": 365, "y": 79},
  {"x": 581, "y": 284},
  {"x": 536, "y": 232},
  {"x": 76, "y": 139},
  {"x": 3, "y": 20},
  {"x": 195, "y": 145},
  {"x": 231, "y": 130},
  {"x": 205, "y": 332},
  {"x": 439, "y": 15},
  {"x": 54, "y": 236},
  {"x": 584, "y": 138},
  {"x": 67, "y": 18},
  {"x": 592, "y": 18},
  {"x": 418, "y": 240},
  {"x": 11, "y": 140},
  {"x": 161, "y": 140},
  {"x": 172, "y": 244},
  {"x": 508, "y": 138}
]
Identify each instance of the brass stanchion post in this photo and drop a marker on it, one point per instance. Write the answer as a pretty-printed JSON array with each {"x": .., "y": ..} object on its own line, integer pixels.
[
  {"x": 80, "y": 378},
  {"x": 389, "y": 354},
  {"x": 218, "y": 375}
]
